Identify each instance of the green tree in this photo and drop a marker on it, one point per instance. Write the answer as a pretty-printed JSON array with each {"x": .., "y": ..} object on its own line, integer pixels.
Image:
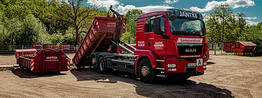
[
  {"x": 130, "y": 35},
  {"x": 30, "y": 21},
  {"x": 213, "y": 30},
  {"x": 75, "y": 15},
  {"x": 51, "y": 18},
  {"x": 223, "y": 13},
  {"x": 223, "y": 25},
  {"x": 26, "y": 32},
  {"x": 242, "y": 26},
  {"x": 254, "y": 34},
  {"x": 57, "y": 38}
]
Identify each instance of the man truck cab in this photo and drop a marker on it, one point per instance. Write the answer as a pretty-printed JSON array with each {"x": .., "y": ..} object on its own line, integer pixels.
[{"x": 177, "y": 40}]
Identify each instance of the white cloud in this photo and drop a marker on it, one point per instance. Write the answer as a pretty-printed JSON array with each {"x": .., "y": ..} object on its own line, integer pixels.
[
  {"x": 250, "y": 23},
  {"x": 251, "y": 18},
  {"x": 231, "y": 3},
  {"x": 124, "y": 9},
  {"x": 171, "y": 1},
  {"x": 103, "y": 3}
]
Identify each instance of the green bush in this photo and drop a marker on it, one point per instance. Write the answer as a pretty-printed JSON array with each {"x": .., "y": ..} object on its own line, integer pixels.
[{"x": 56, "y": 38}]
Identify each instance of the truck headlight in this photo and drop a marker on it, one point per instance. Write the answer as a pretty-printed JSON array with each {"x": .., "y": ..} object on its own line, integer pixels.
[{"x": 171, "y": 65}]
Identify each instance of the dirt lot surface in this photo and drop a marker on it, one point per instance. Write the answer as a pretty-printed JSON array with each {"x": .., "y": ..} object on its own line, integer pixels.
[
  {"x": 7, "y": 59},
  {"x": 226, "y": 76}
]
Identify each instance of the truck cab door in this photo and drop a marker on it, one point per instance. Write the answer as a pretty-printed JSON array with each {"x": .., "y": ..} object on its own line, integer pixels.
[{"x": 157, "y": 38}]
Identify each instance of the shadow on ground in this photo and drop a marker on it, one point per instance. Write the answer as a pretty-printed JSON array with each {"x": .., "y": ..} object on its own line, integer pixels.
[
  {"x": 25, "y": 73},
  {"x": 210, "y": 63},
  {"x": 162, "y": 88}
]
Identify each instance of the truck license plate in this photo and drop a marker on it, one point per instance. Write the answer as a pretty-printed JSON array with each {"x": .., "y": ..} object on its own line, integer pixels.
[
  {"x": 199, "y": 62},
  {"x": 191, "y": 65}
]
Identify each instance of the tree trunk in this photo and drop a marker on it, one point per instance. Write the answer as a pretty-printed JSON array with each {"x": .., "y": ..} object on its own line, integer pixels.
[{"x": 77, "y": 35}]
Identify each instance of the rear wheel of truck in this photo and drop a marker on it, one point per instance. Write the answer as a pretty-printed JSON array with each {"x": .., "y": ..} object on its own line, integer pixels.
[
  {"x": 101, "y": 65},
  {"x": 145, "y": 71}
]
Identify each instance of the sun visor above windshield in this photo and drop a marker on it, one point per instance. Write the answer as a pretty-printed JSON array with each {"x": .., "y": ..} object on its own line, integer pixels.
[{"x": 178, "y": 13}]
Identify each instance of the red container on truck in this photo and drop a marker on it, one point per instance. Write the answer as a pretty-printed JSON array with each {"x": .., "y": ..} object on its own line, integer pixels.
[
  {"x": 47, "y": 60},
  {"x": 168, "y": 43}
]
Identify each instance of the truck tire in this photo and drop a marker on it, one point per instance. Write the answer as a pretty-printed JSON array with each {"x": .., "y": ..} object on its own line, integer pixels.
[
  {"x": 145, "y": 71},
  {"x": 101, "y": 65}
]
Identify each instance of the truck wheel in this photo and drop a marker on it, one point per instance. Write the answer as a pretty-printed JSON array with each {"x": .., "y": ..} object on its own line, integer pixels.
[
  {"x": 101, "y": 65},
  {"x": 145, "y": 71}
]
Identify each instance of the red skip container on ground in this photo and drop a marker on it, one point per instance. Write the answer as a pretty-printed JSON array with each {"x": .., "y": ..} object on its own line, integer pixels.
[{"x": 47, "y": 60}]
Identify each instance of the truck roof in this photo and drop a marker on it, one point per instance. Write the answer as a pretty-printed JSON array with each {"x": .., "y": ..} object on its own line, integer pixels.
[
  {"x": 155, "y": 13},
  {"x": 174, "y": 13}
]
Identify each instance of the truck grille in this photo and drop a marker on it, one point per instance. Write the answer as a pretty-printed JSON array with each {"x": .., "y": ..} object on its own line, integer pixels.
[{"x": 189, "y": 50}]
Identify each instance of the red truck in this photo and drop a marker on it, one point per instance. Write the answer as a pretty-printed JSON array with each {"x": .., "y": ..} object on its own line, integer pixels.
[
  {"x": 168, "y": 43},
  {"x": 47, "y": 60}
]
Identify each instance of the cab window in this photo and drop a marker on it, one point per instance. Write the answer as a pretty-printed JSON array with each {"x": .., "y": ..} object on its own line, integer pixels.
[{"x": 155, "y": 25}]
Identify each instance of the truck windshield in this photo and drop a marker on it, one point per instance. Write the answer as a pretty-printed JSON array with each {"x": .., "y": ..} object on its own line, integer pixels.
[{"x": 186, "y": 27}]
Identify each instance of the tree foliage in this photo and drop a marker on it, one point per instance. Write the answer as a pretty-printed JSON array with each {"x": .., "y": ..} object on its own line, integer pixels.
[
  {"x": 25, "y": 32},
  {"x": 44, "y": 21},
  {"x": 75, "y": 15},
  {"x": 25, "y": 22},
  {"x": 130, "y": 35},
  {"x": 254, "y": 34},
  {"x": 224, "y": 25}
]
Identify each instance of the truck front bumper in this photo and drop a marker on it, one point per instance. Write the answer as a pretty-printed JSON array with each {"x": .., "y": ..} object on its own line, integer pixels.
[{"x": 177, "y": 66}]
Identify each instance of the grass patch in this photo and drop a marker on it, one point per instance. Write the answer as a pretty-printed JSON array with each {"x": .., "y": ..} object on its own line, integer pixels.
[
  {"x": 232, "y": 54},
  {"x": 228, "y": 54}
]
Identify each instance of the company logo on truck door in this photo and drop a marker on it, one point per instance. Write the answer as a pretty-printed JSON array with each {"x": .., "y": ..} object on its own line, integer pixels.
[
  {"x": 158, "y": 45},
  {"x": 190, "y": 40},
  {"x": 141, "y": 43}
]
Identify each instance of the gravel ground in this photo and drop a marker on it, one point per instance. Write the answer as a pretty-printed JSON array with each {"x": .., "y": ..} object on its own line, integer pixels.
[
  {"x": 7, "y": 59},
  {"x": 226, "y": 76}
]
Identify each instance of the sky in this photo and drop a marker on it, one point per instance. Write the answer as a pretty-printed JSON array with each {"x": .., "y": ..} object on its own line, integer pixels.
[{"x": 251, "y": 8}]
